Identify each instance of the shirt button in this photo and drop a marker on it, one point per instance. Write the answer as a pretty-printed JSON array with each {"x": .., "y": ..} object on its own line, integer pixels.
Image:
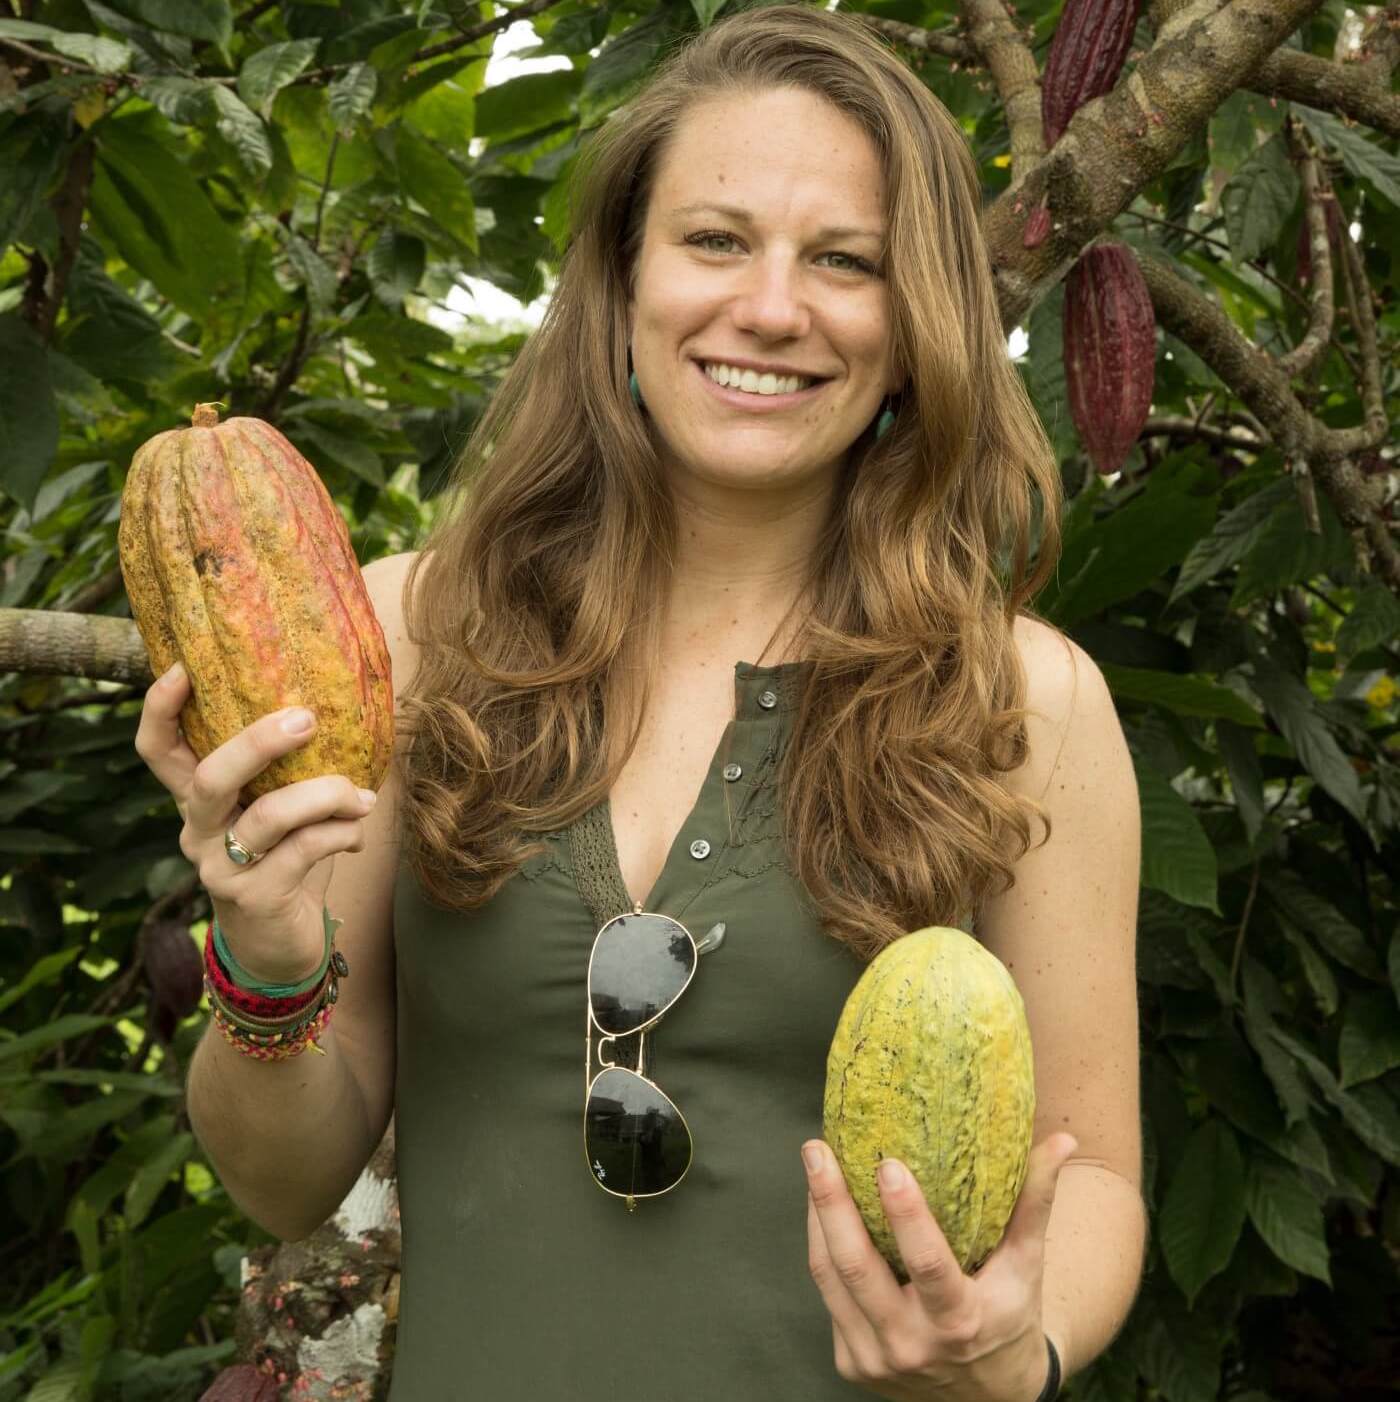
[
  {"x": 732, "y": 772},
  {"x": 699, "y": 848},
  {"x": 767, "y": 699}
]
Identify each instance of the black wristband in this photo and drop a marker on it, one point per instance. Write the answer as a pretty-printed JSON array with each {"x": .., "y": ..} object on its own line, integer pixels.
[{"x": 1051, "y": 1390}]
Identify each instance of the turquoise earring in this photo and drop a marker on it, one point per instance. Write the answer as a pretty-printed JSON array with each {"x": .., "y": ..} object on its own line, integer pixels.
[
  {"x": 885, "y": 423},
  {"x": 635, "y": 388}
]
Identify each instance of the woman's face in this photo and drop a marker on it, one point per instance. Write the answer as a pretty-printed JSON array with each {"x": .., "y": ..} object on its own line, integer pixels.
[{"x": 760, "y": 249}]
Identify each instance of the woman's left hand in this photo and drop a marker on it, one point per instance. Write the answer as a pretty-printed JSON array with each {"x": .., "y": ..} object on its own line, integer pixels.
[{"x": 944, "y": 1334}]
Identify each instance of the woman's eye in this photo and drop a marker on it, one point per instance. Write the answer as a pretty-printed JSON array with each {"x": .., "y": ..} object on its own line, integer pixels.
[{"x": 853, "y": 262}]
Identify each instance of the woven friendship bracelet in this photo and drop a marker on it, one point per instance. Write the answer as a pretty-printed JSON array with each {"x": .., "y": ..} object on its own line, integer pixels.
[
  {"x": 266, "y": 1027},
  {"x": 255, "y": 1003},
  {"x": 277, "y": 1051},
  {"x": 245, "y": 981}
]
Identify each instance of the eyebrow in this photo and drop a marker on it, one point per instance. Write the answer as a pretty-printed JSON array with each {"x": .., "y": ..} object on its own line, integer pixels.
[{"x": 743, "y": 216}]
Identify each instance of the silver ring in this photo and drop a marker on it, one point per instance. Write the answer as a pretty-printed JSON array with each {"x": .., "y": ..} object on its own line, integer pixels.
[{"x": 238, "y": 853}]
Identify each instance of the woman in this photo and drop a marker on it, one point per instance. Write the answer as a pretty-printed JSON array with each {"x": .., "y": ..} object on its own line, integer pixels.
[{"x": 769, "y": 415}]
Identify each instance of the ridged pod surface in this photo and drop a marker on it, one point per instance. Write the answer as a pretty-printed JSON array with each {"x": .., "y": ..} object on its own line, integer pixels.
[
  {"x": 1087, "y": 53},
  {"x": 238, "y": 564},
  {"x": 931, "y": 1064},
  {"x": 1110, "y": 352}
]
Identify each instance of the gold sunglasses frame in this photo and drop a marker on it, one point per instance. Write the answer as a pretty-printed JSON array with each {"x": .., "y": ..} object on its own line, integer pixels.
[{"x": 712, "y": 940}]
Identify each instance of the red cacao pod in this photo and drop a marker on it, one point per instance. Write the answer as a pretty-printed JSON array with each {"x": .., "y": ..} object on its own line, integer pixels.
[
  {"x": 1087, "y": 53},
  {"x": 239, "y": 565},
  {"x": 242, "y": 1383},
  {"x": 173, "y": 967},
  {"x": 1110, "y": 352}
]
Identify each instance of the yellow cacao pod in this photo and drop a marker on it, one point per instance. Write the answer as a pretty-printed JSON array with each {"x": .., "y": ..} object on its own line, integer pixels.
[
  {"x": 239, "y": 565},
  {"x": 931, "y": 1065}
]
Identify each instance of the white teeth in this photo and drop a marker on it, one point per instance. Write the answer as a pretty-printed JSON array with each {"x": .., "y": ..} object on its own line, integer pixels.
[{"x": 753, "y": 383}]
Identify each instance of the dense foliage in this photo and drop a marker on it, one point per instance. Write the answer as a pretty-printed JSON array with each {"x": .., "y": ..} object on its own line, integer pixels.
[{"x": 260, "y": 206}]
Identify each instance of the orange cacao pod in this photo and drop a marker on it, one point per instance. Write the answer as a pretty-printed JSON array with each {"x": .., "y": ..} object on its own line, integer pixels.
[
  {"x": 1110, "y": 352},
  {"x": 1086, "y": 56},
  {"x": 242, "y": 1383},
  {"x": 239, "y": 565}
]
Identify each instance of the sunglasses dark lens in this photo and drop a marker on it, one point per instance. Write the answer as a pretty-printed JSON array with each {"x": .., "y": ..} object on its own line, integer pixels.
[
  {"x": 634, "y": 1136},
  {"x": 640, "y": 966}
]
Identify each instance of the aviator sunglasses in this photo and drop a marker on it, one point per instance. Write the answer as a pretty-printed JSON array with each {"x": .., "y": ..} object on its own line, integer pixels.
[{"x": 636, "y": 1141}]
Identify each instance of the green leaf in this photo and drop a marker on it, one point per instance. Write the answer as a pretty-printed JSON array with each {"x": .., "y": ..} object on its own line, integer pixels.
[
  {"x": 1177, "y": 856},
  {"x": 1235, "y": 126},
  {"x": 1130, "y": 549},
  {"x": 1296, "y": 900},
  {"x": 1233, "y": 536},
  {"x": 97, "y": 1192},
  {"x": 1288, "y": 1216},
  {"x": 396, "y": 264},
  {"x": 1295, "y": 710},
  {"x": 185, "y": 101},
  {"x": 1315, "y": 969},
  {"x": 62, "y": 1383},
  {"x": 1285, "y": 552},
  {"x": 105, "y": 55},
  {"x": 1374, "y": 619},
  {"x": 1203, "y": 1211},
  {"x": 527, "y": 103},
  {"x": 31, "y": 149},
  {"x": 243, "y": 129},
  {"x": 211, "y": 20},
  {"x": 60, "y": 1029},
  {"x": 1258, "y": 201},
  {"x": 313, "y": 272},
  {"x": 28, "y": 414},
  {"x": 318, "y": 443},
  {"x": 269, "y": 70},
  {"x": 1369, "y": 1043},
  {"x": 432, "y": 180},
  {"x": 350, "y": 97},
  {"x": 1363, "y": 158},
  {"x": 622, "y": 66},
  {"x": 158, "y": 218},
  {"x": 1368, "y": 1113},
  {"x": 1183, "y": 694},
  {"x": 1236, "y": 748},
  {"x": 152, "y": 1177},
  {"x": 706, "y": 10},
  {"x": 42, "y": 971}
]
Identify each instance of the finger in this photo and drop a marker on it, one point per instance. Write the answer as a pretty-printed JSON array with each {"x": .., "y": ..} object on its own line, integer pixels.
[
  {"x": 852, "y": 1262},
  {"x": 1030, "y": 1218},
  {"x": 934, "y": 1272},
  {"x": 158, "y": 739},
  {"x": 221, "y": 775},
  {"x": 857, "y": 1350},
  {"x": 266, "y": 823}
]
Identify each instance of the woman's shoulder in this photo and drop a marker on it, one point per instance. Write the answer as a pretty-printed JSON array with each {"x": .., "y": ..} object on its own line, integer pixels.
[
  {"x": 385, "y": 581},
  {"x": 1065, "y": 691}
]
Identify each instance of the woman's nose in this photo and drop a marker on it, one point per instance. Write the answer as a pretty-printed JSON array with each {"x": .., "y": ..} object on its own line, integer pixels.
[{"x": 772, "y": 301}]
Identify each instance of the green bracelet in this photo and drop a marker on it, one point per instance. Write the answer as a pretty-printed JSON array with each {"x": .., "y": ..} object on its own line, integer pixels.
[{"x": 244, "y": 980}]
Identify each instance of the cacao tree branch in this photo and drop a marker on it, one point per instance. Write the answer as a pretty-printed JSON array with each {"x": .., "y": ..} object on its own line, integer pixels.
[
  {"x": 1338, "y": 442},
  {"x": 44, "y": 296},
  {"x": 1180, "y": 426},
  {"x": 74, "y": 645},
  {"x": 1122, "y": 141},
  {"x": 1347, "y": 89},
  {"x": 1257, "y": 379},
  {"x": 1309, "y": 350},
  {"x": 1004, "y": 49},
  {"x": 947, "y": 43}
]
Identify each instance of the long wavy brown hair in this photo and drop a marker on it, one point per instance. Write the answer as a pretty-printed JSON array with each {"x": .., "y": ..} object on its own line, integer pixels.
[{"x": 558, "y": 524}]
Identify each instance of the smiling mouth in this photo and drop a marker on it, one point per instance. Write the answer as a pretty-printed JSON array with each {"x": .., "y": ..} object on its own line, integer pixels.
[{"x": 757, "y": 386}]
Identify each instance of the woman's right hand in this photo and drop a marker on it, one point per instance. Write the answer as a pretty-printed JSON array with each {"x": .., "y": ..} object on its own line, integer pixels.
[{"x": 270, "y": 911}]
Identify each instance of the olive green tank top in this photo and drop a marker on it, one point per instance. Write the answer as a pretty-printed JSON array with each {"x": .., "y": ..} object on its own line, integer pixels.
[{"x": 522, "y": 1280}]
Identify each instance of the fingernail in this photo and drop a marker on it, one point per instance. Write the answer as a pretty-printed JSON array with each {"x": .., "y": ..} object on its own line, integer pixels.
[
  {"x": 812, "y": 1157},
  {"x": 175, "y": 670},
  {"x": 368, "y": 796},
  {"x": 892, "y": 1174},
  {"x": 298, "y": 722}
]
